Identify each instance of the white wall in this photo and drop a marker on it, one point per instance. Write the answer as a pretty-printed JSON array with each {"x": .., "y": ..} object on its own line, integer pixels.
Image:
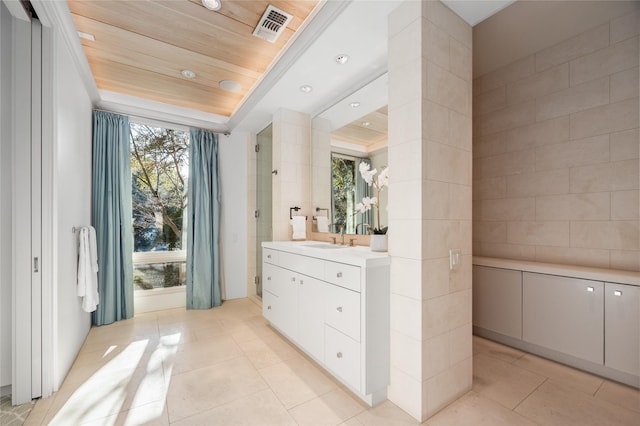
[
  {"x": 72, "y": 204},
  {"x": 232, "y": 152},
  {"x": 5, "y": 196}
]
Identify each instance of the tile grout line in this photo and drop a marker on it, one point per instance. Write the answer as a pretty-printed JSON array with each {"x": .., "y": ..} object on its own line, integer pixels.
[{"x": 525, "y": 398}]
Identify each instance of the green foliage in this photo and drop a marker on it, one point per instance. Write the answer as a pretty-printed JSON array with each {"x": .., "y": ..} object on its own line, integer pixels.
[
  {"x": 159, "y": 170},
  {"x": 343, "y": 187}
]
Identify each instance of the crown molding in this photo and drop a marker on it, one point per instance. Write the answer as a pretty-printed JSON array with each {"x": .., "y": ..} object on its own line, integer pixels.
[{"x": 134, "y": 106}]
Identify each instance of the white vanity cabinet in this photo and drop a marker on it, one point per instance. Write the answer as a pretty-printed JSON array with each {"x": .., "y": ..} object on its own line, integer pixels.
[
  {"x": 622, "y": 327},
  {"x": 333, "y": 303}
]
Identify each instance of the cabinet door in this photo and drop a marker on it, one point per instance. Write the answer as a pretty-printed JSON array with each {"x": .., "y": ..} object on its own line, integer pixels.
[
  {"x": 288, "y": 300},
  {"x": 497, "y": 300},
  {"x": 622, "y": 328},
  {"x": 564, "y": 314},
  {"x": 311, "y": 294}
]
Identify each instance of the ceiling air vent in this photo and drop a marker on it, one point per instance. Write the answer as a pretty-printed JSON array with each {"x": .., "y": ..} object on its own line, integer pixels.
[{"x": 272, "y": 23}]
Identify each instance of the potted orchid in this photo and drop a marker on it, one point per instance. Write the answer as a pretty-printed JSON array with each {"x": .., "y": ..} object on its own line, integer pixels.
[{"x": 379, "y": 237}]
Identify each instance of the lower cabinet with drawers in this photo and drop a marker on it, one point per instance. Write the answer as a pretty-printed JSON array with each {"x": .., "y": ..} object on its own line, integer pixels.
[
  {"x": 574, "y": 315},
  {"x": 333, "y": 303}
]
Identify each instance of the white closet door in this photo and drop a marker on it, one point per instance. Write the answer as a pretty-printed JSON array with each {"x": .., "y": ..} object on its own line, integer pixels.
[{"x": 27, "y": 211}]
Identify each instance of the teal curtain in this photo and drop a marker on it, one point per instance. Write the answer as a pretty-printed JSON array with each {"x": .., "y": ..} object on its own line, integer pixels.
[
  {"x": 362, "y": 190},
  {"x": 203, "y": 229},
  {"x": 111, "y": 216}
]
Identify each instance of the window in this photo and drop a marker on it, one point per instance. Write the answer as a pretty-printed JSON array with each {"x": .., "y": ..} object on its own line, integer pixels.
[{"x": 159, "y": 173}]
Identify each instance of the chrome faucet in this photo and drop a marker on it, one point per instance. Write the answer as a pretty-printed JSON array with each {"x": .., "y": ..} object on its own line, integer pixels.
[{"x": 363, "y": 226}]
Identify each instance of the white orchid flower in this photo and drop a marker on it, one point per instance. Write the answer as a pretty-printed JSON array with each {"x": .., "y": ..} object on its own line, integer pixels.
[
  {"x": 383, "y": 178},
  {"x": 367, "y": 174},
  {"x": 360, "y": 208}
]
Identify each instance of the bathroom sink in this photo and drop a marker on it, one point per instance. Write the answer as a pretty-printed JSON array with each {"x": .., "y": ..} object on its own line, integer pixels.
[{"x": 324, "y": 246}]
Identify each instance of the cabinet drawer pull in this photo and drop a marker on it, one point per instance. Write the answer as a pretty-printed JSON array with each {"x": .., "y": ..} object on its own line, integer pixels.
[
  {"x": 339, "y": 275},
  {"x": 269, "y": 307},
  {"x": 268, "y": 278},
  {"x": 268, "y": 256},
  {"x": 617, "y": 293},
  {"x": 339, "y": 355},
  {"x": 339, "y": 309},
  {"x": 301, "y": 282},
  {"x": 293, "y": 279},
  {"x": 590, "y": 289}
]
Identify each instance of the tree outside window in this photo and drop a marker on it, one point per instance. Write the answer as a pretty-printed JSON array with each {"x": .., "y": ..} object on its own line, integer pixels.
[{"x": 159, "y": 171}]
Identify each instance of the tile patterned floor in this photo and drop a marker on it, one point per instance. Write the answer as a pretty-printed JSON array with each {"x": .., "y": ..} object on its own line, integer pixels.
[
  {"x": 13, "y": 416},
  {"x": 227, "y": 367}
]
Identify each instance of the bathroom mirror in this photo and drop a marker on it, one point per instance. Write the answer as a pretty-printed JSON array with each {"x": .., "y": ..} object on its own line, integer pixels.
[{"x": 351, "y": 131}]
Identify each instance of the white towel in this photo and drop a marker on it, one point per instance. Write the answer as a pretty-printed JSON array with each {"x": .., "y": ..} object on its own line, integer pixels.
[
  {"x": 88, "y": 269},
  {"x": 323, "y": 223},
  {"x": 299, "y": 224}
]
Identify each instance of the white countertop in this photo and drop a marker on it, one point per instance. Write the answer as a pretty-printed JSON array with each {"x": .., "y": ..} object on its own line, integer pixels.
[
  {"x": 359, "y": 255},
  {"x": 585, "y": 272}
]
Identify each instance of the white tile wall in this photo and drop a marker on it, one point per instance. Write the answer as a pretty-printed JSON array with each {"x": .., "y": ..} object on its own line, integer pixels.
[
  {"x": 430, "y": 198},
  {"x": 556, "y": 141}
]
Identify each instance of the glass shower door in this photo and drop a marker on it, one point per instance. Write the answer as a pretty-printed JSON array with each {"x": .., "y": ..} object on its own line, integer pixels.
[{"x": 264, "y": 227}]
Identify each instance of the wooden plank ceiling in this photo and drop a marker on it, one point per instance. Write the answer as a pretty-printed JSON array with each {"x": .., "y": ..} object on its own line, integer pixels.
[
  {"x": 360, "y": 133},
  {"x": 141, "y": 47}
]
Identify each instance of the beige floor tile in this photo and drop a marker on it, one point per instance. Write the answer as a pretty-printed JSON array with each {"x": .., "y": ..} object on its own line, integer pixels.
[
  {"x": 332, "y": 408},
  {"x": 496, "y": 350},
  {"x": 206, "y": 388},
  {"x": 262, "y": 354},
  {"x": 555, "y": 404},
  {"x": 579, "y": 380},
  {"x": 260, "y": 408},
  {"x": 353, "y": 421},
  {"x": 503, "y": 382},
  {"x": 385, "y": 414},
  {"x": 154, "y": 414},
  {"x": 473, "y": 409},
  {"x": 199, "y": 354},
  {"x": 296, "y": 381},
  {"x": 619, "y": 394}
]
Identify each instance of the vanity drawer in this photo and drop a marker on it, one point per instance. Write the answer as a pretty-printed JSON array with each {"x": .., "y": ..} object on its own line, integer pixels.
[
  {"x": 342, "y": 356},
  {"x": 273, "y": 279},
  {"x": 270, "y": 307},
  {"x": 342, "y": 310},
  {"x": 347, "y": 276},
  {"x": 270, "y": 256},
  {"x": 305, "y": 265}
]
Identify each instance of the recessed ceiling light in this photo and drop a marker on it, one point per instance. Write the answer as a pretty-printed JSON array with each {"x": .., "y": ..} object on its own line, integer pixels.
[
  {"x": 212, "y": 4},
  {"x": 188, "y": 74},
  {"x": 342, "y": 58},
  {"x": 230, "y": 86},
  {"x": 354, "y": 104},
  {"x": 86, "y": 36},
  {"x": 306, "y": 88},
  {"x": 366, "y": 123}
]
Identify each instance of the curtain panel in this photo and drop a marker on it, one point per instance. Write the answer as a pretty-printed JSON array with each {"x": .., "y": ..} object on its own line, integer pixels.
[
  {"x": 111, "y": 216},
  {"x": 203, "y": 228}
]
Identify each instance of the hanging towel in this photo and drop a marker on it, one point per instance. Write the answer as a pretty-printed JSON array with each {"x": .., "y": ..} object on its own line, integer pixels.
[
  {"x": 299, "y": 224},
  {"x": 88, "y": 269},
  {"x": 323, "y": 223}
]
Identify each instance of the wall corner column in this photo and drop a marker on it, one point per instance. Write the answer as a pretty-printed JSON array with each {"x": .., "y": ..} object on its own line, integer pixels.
[{"x": 430, "y": 159}]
